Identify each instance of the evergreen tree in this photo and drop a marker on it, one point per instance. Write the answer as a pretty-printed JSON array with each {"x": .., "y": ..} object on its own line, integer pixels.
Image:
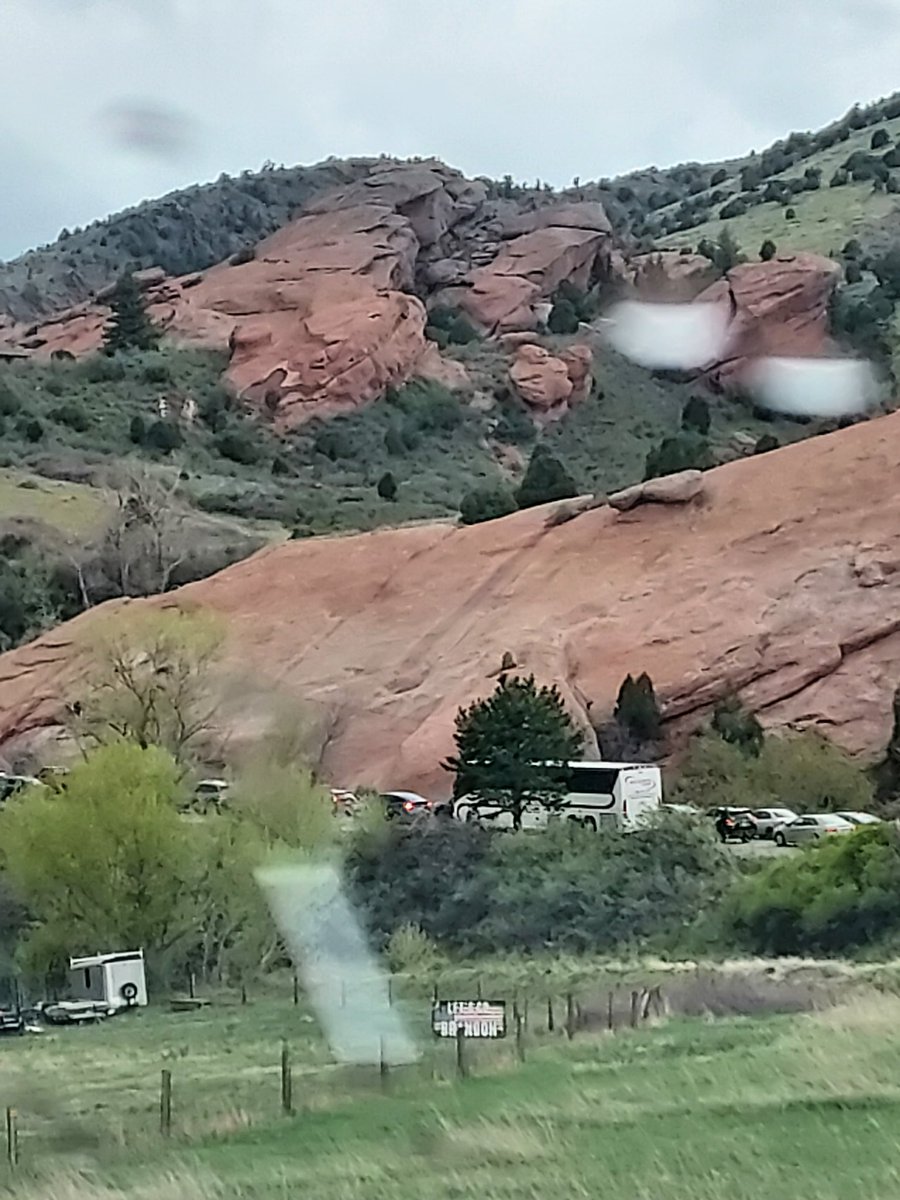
[
  {"x": 563, "y": 317},
  {"x": 684, "y": 452},
  {"x": 546, "y": 479},
  {"x": 767, "y": 250},
  {"x": 734, "y": 724},
  {"x": 387, "y": 487},
  {"x": 514, "y": 747},
  {"x": 129, "y": 327},
  {"x": 637, "y": 709},
  {"x": 695, "y": 416}
]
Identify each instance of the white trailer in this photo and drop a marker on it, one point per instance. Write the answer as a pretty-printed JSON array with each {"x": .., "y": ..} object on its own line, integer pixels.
[
  {"x": 117, "y": 980},
  {"x": 600, "y": 795}
]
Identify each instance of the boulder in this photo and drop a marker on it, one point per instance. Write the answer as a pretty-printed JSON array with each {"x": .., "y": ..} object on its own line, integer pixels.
[
  {"x": 780, "y": 308},
  {"x": 588, "y": 214},
  {"x": 502, "y": 295},
  {"x": 540, "y": 378},
  {"x": 680, "y": 488},
  {"x": 548, "y": 382},
  {"x": 668, "y": 276}
]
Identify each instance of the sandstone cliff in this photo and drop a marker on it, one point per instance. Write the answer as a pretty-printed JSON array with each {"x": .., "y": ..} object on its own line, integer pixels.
[{"x": 782, "y": 582}]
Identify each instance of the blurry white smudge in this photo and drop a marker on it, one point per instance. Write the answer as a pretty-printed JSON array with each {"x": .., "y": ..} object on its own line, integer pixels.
[
  {"x": 346, "y": 987},
  {"x": 147, "y": 129},
  {"x": 815, "y": 387},
  {"x": 678, "y": 337}
]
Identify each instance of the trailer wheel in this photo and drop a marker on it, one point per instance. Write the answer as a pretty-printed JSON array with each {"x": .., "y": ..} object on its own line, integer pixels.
[{"x": 129, "y": 992}]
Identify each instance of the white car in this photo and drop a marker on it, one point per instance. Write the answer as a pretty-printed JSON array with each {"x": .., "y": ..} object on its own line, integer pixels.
[
  {"x": 767, "y": 820},
  {"x": 859, "y": 818},
  {"x": 811, "y": 828}
]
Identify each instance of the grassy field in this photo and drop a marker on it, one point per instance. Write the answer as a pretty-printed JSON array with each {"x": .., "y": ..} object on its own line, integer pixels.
[
  {"x": 776, "y": 1105},
  {"x": 826, "y": 219},
  {"x": 76, "y": 510}
]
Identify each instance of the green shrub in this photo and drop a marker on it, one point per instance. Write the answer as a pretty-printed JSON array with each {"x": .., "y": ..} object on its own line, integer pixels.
[
  {"x": 852, "y": 272},
  {"x": 717, "y": 177},
  {"x": 32, "y": 429},
  {"x": 515, "y": 427},
  {"x": 334, "y": 441},
  {"x": 767, "y": 250},
  {"x": 428, "y": 407},
  {"x": 563, "y": 317},
  {"x": 734, "y": 724},
  {"x": 164, "y": 436},
  {"x": 246, "y": 254},
  {"x": 447, "y": 326},
  {"x": 840, "y": 178},
  {"x": 840, "y": 894},
  {"x": 790, "y": 214},
  {"x": 71, "y": 415},
  {"x": 879, "y": 138},
  {"x": 765, "y": 443},
  {"x": 157, "y": 373},
  {"x": 683, "y": 452},
  {"x": 237, "y": 444},
  {"x": 9, "y": 401},
  {"x": 695, "y": 416},
  {"x": 137, "y": 430},
  {"x": 566, "y": 890},
  {"x": 486, "y": 504},
  {"x": 102, "y": 369},
  {"x": 545, "y": 480},
  {"x": 410, "y": 949}
]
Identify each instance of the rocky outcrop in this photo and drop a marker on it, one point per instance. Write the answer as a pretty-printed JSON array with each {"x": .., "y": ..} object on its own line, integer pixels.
[
  {"x": 680, "y": 488},
  {"x": 779, "y": 308},
  {"x": 502, "y": 296},
  {"x": 580, "y": 215},
  {"x": 667, "y": 276},
  {"x": 781, "y": 585},
  {"x": 548, "y": 383}
]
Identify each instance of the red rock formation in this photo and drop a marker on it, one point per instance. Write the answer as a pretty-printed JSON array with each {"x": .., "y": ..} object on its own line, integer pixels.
[
  {"x": 666, "y": 275},
  {"x": 502, "y": 295},
  {"x": 780, "y": 308},
  {"x": 783, "y": 585},
  {"x": 551, "y": 383}
]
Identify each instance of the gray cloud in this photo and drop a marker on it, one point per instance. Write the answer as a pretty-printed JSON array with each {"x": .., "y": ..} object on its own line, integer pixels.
[{"x": 537, "y": 88}]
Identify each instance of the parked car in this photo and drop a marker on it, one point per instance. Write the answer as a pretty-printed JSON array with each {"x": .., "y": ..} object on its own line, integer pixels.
[
  {"x": 12, "y": 1021},
  {"x": 734, "y": 824},
  {"x": 210, "y": 793},
  {"x": 767, "y": 820},
  {"x": 405, "y": 804},
  {"x": 10, "y": 784},
  {"x": 811, "y": 828},
  {"x": 686, "y": 810},
  {"x": 859, "y": 818}
]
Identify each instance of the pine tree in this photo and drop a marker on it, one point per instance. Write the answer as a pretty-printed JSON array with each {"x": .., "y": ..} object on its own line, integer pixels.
[
  {"x": 129, "y": 327},
  {"x": 637, "y": 709},
  {"x": 514, "y": 747},
  {"x": 546, "y": 479},
  {"x": 734, "y": 724},
  {"x": 387, "y": 487},
  {"x": 695, "y": 416}
]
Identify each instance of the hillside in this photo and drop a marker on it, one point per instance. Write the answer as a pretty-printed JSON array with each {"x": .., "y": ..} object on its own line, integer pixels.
[{"x": 782, "y": 584}]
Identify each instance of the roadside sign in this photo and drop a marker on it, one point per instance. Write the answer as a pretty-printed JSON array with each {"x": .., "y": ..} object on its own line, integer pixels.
[{"x": 475, "y": 1018}]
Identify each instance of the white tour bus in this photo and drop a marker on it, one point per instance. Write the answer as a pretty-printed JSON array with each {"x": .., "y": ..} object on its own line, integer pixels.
[{"x": 600, "y": 794}]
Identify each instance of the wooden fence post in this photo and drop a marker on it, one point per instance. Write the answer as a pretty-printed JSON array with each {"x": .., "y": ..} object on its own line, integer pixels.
[
  {"x": 296, "y": 989},
  {"x": 635, "y": 997},
  {"x": 570, "y": 1016},
  {"x": 525, "y": 1012},
  {"x": 287, "y": 1088},
  {"x": 462, "y": 1066},
  {"x": 383, "y": 1068},
  {"x": 243, "y": 993},
  {"x": 390, "y": 990},
  {"x": 610, "y": 1012},
  {"x": 12, "y": 1137},
  {"x": 550, "y": 1023},
  {"x": 165, "y": 1102},
  {"x": 520, "y": 1038},
  {"x": 192, "y": 983}
]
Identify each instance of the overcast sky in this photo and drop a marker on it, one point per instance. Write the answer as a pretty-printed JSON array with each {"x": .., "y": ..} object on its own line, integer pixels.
[{"x": 534, "y": 88}]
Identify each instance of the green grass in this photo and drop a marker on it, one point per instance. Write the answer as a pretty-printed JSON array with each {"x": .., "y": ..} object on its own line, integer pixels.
[
  {"x": 75, "y": 510},
  {"x": 775, "y": 1106},
  {"x": 826, "y": 219}
]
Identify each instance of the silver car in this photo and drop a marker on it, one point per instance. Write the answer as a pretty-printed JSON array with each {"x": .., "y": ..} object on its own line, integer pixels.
[
  {"x": 810, "y": 828},
  {"x": 859, "y": 818},
  {"x": 767, "y": 820}
]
